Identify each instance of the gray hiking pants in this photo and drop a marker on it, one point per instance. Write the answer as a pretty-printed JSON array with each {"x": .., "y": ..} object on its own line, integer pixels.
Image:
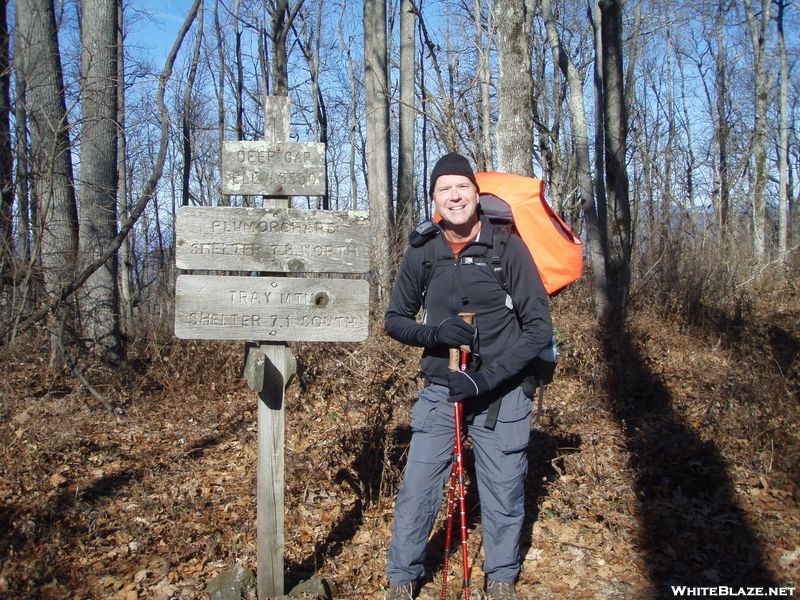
[{"x": 501, "y": 465}]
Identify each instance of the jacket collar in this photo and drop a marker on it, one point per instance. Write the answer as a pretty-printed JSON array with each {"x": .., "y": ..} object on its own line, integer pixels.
[{"x": 481, "y": 244}]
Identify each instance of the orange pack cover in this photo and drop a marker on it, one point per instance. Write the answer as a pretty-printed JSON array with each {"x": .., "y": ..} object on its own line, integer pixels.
[{"x": 557, "y": 251}]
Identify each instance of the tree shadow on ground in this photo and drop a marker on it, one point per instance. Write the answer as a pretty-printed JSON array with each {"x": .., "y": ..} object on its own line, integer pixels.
[
  {"x": 47, "y": 533},
  {"x": 380, "y": 462},
  {"x": 545, "y": 452},
  {"x": 785, "y": 349},
  {"x": 692, "y": 533},
  {"x": 768, "y": 349}
]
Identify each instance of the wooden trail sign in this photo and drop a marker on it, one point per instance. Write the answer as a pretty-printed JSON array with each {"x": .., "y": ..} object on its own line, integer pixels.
[
  {"x": 273, "y": 168},
  {"x": 272, "y": 309},
  {"x": 275, "y": 240},
  {"x": 212, "y": 307}
]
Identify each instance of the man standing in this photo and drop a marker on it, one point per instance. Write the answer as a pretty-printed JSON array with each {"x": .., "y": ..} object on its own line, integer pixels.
[{"x": 445, "y": 271}]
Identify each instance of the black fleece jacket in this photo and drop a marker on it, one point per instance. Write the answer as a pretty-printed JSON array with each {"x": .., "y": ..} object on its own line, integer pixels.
[{"x": 507, "y": 338}]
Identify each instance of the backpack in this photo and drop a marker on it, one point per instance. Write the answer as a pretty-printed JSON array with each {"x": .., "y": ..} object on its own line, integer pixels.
[
  {"x": 515, "y": 205},
  {"x": 519, "y": 202}
]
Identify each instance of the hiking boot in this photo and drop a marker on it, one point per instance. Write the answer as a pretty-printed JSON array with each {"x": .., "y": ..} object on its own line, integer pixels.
[
  {"x": 403, "y": 592},
  {"x": 500, "y": 591}
]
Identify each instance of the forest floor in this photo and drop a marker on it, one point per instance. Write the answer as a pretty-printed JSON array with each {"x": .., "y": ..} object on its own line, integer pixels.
[{"x": 667, "y": 455}]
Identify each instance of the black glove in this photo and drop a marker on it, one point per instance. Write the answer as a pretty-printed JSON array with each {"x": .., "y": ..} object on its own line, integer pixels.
[
  {"x": 466, "y": 384},
  {"x": 453, "y": 332}
]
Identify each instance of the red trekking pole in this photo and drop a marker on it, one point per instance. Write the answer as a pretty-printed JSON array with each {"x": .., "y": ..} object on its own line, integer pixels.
[{"x": 459, "y": 358}]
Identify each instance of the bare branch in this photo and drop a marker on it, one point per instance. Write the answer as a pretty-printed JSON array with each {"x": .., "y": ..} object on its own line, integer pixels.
[{"x": 141, "y": 204}]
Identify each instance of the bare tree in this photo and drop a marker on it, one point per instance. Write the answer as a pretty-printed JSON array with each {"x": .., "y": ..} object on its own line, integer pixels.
[
  {"x": 580, "y": 140},
  {"x": 405, "y": 154},
  {"x": 283, "y": 15},
  {"x": 24, "y": 212},
  {"x": 783, "y": 144},
  {"x": 514, "y": 128},
  {"x": 352, "y": 116},
  {"x": 379, "y": 186},
  {"x": 758, "y": 38},
  {"x": 616, "y": 134},
  {"x": 38, "y": 60},
  {"x": 601, "y": 200},
  {"x": 239, "y": 96},
  {"x": 126, "y": 254},
  {"x": 99, "y": 298},
  {"x": 6, "y": 155},
  {"x": 722, "y": 125},
  {"x": 440, "y": 109},
  {"x": 219, "y": 44},
  {"x": 58, "y": 298},
  {"x": 186, "y": 112},
  {"x": 484, "y": 155},
  {"x": 309, "y": 42}
]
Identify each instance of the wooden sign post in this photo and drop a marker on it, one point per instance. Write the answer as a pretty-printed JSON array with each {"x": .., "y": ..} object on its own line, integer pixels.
[
  {"x": 272, "y": 309},
  {"x": 278, "y": 368}
]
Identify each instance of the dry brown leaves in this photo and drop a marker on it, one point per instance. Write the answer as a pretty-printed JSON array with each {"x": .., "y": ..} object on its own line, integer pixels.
[{"x": 666, "y": 456}]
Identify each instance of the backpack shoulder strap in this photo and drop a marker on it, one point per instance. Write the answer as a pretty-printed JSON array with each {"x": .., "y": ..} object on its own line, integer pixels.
[
  {"x": 499, "y": 242},
  {"x": 424, "y": 236},
  {"x": 427, "y": 266}
]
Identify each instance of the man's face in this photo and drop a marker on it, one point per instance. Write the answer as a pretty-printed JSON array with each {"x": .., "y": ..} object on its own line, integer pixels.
[{"x": 455, "y": 198}]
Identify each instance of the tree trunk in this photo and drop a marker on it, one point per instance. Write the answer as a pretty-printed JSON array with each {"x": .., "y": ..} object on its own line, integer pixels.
[
  {"x": 186, "y": 116},
  {"x": 722, "y": 128},
  {"x": 6, "y": 155},
  {"x": 24, "y": 209},
  {"x": 379, "y": 185},
  {"x": 239, "y": 83},
  {"x": 758, "y": 37},
  {"x": 514, "y": 128},
  {"x": 351, "y": 115},
  {"x": 783, "y": 150},
  {"x": 599, "y": 126},
  {"x": 616, "y": 134},
  {"x": 280, "y": 31},
  {"x": 580, "y": 138},
  {"x": 633, "y": 55},
  {"x": 484, "y": 155},
  {"x": 126, "y": 254},
  {"x": 691, "y": 164},
  {"x": 282, "y": 15},
  {"x": 405, "y": 155},
  {"x": 99, "y": 298},
  {"x": 320, "y": 109},
  {"x": 667, "y": 183},
  {"x": 311, "y": 51},
  {"x": 424, "y": 99},
  {"x": 38, "y": 60},
  {"x": 221, "y": 66}
]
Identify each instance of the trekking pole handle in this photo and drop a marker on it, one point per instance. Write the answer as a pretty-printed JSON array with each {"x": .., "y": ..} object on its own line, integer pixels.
[{"x": 459, "y": 356}]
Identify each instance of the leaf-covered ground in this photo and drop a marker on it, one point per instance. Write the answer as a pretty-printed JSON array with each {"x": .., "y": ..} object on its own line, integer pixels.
[{"x": 667, "y": 454}]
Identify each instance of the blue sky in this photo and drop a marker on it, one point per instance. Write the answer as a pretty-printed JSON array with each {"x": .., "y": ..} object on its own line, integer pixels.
[{"x": 165, "y": 19}]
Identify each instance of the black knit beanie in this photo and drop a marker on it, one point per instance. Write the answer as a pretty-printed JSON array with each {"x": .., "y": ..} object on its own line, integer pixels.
[{"x": 452, "y": 164}]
